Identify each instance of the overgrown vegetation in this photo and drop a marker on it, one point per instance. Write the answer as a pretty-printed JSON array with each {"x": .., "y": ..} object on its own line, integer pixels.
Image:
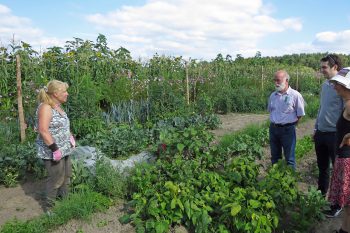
[{"x": 123, "y": 106}]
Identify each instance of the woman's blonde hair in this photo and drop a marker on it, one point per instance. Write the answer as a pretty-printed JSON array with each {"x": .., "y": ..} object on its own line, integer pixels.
[{"x": 53, "y": 86}]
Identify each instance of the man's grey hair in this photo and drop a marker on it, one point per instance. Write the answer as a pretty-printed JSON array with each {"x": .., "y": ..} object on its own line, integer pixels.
[{"x": 286, "y": 75}]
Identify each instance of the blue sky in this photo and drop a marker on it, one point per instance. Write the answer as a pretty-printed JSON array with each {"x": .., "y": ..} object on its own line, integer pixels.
[{"x": 199, "y": 29}]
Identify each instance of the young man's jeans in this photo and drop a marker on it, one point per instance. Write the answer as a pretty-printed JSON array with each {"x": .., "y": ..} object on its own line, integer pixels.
[
  {"x": 283, "y": 137},
  {"x": 325, "y": 147}
]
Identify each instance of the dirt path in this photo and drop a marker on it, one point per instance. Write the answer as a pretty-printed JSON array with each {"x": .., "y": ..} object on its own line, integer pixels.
[
  {"x": 236, "y": 121},
  {"x": 23, "y": 201}
]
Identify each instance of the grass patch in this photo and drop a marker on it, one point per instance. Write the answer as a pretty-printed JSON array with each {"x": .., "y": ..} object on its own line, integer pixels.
[
  {"x": 79, "y": 205},
  {"x": 250, "y": 130}
]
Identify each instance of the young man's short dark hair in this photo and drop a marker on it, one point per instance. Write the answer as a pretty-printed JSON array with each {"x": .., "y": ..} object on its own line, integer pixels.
[{"x": 332, "y": 60}]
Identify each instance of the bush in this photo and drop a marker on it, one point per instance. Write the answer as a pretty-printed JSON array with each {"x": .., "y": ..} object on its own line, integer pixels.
[{"x": 108, "y": 180}]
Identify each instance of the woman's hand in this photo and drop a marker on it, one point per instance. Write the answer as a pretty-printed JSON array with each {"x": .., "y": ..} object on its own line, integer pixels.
[
  {"x": 57, "y": 155},
  {"x": 346, "y": 140},
  {"x": 72, "y": 141}
]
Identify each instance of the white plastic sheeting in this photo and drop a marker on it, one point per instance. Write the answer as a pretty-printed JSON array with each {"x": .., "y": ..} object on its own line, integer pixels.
[{"x": 89, "y": 155}]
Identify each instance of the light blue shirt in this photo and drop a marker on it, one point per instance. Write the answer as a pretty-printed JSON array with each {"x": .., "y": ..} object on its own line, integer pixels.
[{"x": 287, "y": 107}]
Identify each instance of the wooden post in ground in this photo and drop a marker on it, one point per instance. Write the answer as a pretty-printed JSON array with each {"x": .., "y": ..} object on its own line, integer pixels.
[
  {"x": 297, "y": 87},
  {"x": 262, "y": 78},
  {"x": 22, "y": 124},
  {"x": 187, "y": 85}
]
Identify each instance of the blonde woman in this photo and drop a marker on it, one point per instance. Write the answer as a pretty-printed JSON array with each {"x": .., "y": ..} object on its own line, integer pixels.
[
  {"x": 339, "y": 192},
  {"x": 54, "y": 141}
]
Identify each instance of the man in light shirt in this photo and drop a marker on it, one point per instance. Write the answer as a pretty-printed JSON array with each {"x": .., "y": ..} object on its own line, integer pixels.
[{"x": 286, "y": 107}]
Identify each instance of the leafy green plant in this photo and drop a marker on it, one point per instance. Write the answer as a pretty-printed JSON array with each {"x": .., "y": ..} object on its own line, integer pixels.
[
  {"x": 118, "y": 141},
  {"x": 18, "y": 159},
  {"x": 280, "y": 183},
  {"x": 10, "y": 177},
  {"x": 85, "y": 126},
  {"x": 81, "y": 175},
  {"x": 312, "y": 104},
  {"x": 190, "y": 142},
  {"x": 250, "y": 142},
  {"x": 303, "y": 146},
  {"x": 242, "y": 171},
  {"x": 108, "y": 180},
  {"x": 308, "y": 209}
]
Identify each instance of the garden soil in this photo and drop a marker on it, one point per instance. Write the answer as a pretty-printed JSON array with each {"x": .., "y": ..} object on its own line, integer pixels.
[{"x": 24, "y": 201}]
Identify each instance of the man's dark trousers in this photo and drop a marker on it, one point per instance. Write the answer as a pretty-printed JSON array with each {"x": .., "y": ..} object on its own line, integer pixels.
[
  {"x": 283, "y": 137},
  {"x": 325, "y": 147}
]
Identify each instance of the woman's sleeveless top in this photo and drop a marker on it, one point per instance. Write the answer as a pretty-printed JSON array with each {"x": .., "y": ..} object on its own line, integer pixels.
[
  {"x": 59, "y": 130},
  {"x": 343, "y": 127}
]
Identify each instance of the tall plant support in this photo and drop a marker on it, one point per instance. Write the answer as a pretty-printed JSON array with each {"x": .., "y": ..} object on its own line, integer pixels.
[
  {"x": 297, "y": 86},
  {"x": 187, "y": 86},
  {"x": 19, "y": 99},
  {"x": 262, "y": 78}
]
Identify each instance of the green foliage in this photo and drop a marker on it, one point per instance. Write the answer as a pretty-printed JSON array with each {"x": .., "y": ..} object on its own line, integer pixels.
[
  {"x": 81, "y": 127},
  {"x": 312, "y": 105},
  {"x": 189, "y": 142},
  {"x": 119, "y": 140},
  {"x": 204, "y": 104},
  {"x": 16, "y": 160},
  {"x": 108, "y": 180},
  {"x": 117, "y": 89},
  {"x": 247, "y": 142},
  {"x": 303, "y": 146},
  {"x": 280, "y": 183},
  {"x": 81, "y": 175},
  {"x": 130, "y": 112},
  {"x": 198, "y": 194},
  {"x": 10, "y": 176},
  {"x": 249, "y": 210},
  {"x": 242, "y": 171},
  {"x": 84, "y": 98},
  {"x": 308, "y": 209}
]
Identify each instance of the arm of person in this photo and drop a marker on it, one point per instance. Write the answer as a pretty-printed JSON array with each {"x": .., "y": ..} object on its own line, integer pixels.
[
  {"x": 345, "y": 141},
  {"x": 346, "y": 114},
  {"x": 44, "y": 119},
  {"x": 300, "y": 111},
  {"x": 347, "y": 111},
  {"x": 299, "y": 117}
]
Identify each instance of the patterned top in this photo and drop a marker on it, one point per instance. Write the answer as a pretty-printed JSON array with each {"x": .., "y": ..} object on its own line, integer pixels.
[{"x": 60, "y": 132}]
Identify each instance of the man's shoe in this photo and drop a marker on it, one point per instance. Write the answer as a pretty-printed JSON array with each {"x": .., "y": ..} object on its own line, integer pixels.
[
  {"x": 333, "y": 212},
  {"x": 340, "y": 231}
]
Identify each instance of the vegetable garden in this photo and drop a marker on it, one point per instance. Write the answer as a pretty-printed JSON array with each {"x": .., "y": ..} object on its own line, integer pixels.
[{"x": 165, "y": 105}]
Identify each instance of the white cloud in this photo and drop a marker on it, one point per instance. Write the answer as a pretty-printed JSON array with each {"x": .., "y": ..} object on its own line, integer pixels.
[
  {"x": 197, "y": 28},
  {"x": 4, "y": 9},
  {"x": 327, "y": 41},
  {"x": 333, "y": 41},
  {"x": 188, "y": 28},
  {"x": 22, "y": 29},
  {"x": 12, "y": 26}
]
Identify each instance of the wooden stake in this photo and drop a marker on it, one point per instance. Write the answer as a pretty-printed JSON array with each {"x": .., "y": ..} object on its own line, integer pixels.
[
  {"x": 19, "y": 100},
  {"x": 187, "y": 85},
  {"x": 262, "y": 78},
  {"x": 297, "y": 88}
]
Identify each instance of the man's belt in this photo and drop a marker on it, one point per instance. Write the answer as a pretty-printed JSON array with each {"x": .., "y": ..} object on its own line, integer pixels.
[{"x": 282, "y": 125}]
